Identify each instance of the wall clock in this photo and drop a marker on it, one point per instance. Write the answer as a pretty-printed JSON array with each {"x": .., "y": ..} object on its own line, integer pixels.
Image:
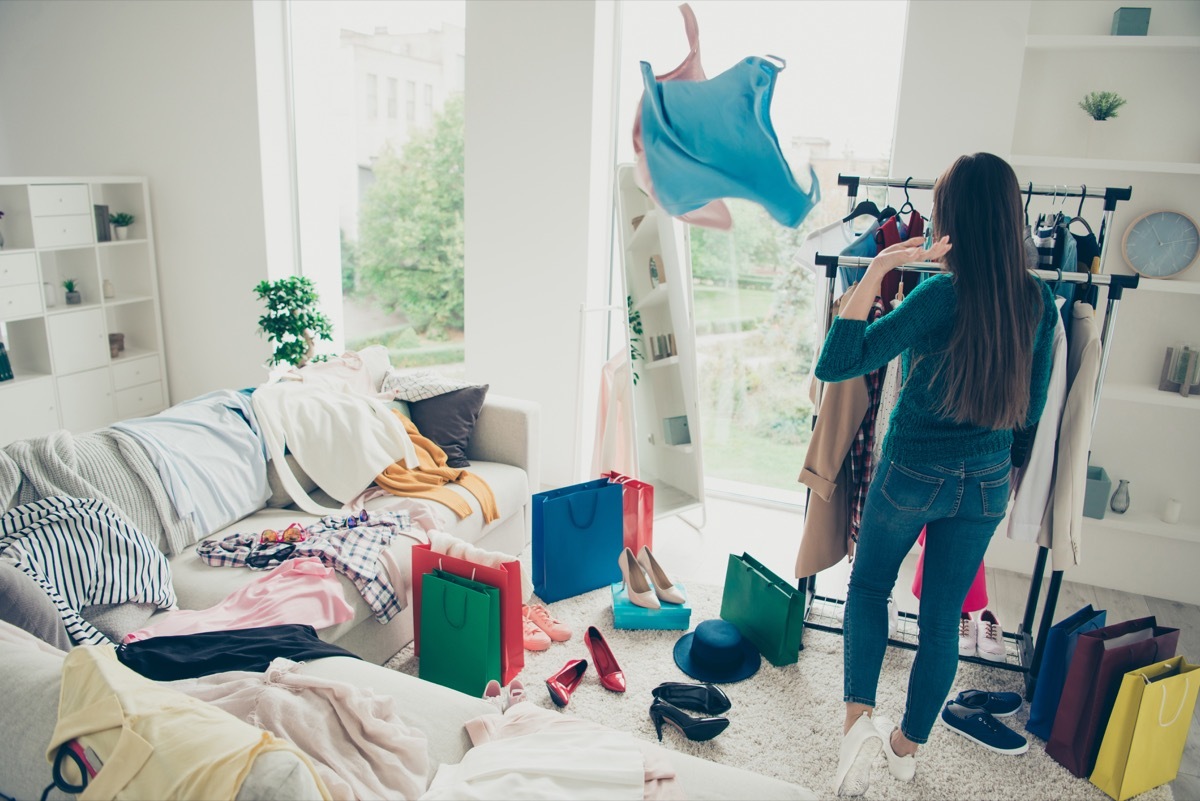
[{"x": 1161, "y": 244}]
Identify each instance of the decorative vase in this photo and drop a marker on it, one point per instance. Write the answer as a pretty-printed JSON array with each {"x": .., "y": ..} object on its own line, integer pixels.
[
  {"x": 122, "y": 232},
  {"x": 1096, "y": 137},
  {"x": 51, "y": 295},
  {"x": 1120, "y": 498},
  {"x": 1, "y": 240},
  {"x": 74, "y": 298},
  {"x": 109, "y": 291}
]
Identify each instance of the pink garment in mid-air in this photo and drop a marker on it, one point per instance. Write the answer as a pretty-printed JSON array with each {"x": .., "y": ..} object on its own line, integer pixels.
[
  {"x": 714, "y": 214},
  {"x": 299, "y": 591}
]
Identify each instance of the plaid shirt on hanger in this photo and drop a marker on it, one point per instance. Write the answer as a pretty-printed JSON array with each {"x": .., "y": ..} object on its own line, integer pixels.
[{"x": 862, "y": 462}]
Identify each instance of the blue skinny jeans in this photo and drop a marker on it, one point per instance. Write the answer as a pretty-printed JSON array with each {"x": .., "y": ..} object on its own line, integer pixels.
[{"x": 959, "y": 503}]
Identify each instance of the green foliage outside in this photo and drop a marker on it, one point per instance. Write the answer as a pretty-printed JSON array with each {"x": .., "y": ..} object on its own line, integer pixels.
[
  {"x": 410, "y": 251},
  {"x": 406, "y": 349},
  {"x": 349, "y": 264},
  {"x": 755, "y": 340}
]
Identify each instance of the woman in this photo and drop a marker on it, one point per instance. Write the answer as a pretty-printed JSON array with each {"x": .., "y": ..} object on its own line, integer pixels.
[{"x": 976, "y": 344}]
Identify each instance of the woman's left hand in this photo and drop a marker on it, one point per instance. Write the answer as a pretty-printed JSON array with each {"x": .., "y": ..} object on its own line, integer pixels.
[{"x": 908, "y": 252}]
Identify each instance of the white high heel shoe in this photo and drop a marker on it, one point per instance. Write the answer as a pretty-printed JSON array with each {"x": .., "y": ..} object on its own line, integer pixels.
[
  {"x": 664, "y": 587},
  {"x": 636, "y": 586}
]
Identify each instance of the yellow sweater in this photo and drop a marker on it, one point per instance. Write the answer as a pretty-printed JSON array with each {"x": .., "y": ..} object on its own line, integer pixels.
[{"x": 430, "y": 478}]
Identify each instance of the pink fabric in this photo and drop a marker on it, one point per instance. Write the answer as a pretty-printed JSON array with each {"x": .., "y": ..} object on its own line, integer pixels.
[
  {"x": 661, "y": 783},
  {"x": 356, "y": 739},
  {"x": 715, "y": 214},
  {"x": 298, "y": 591},
  {"x": 977, "y": 597}
]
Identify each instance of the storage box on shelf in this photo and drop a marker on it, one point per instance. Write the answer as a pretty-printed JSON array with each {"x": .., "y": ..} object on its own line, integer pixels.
[{"x": 66, "y": 373}]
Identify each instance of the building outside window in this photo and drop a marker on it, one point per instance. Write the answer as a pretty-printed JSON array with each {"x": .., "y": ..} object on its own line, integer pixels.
[
  {"x": 401, "y": 244},
  {"x": 372, "y": 97}
]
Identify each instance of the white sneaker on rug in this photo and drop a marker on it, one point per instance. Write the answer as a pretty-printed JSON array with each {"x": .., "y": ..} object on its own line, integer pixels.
[
  {"x": 860, "y": 746},
  {"x": 968, "y": 639},
  {"x": 991, "y": 638},
  {"x": 902, "y": 768},
  {"x": 893, "y": 617},
  {"x": 493, "y": 695}
]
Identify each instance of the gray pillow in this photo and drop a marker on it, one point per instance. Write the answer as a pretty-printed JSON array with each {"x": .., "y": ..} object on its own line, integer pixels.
[
  {"x": 27, "y": 606},
  {"x": 117, "y": 620},
  {"x": 449, "y": 420},
  {"x": 279, "y": 496}
]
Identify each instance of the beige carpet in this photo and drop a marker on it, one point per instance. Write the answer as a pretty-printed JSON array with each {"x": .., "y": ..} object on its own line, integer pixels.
[{"x": 786, "y": 722}]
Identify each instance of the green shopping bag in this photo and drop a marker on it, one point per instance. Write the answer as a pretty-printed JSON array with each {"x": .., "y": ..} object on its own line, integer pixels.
[
  {"x": 460, "y": 633},
  {"x": 767, "y": 610}
]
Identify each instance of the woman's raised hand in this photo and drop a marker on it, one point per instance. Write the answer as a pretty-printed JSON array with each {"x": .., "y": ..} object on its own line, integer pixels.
[{"x": 908, "y": 252}]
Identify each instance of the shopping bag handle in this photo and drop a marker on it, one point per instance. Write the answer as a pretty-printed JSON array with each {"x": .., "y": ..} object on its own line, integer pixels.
[
  {"x": 571, "y": 499},
  {"x": 1162, "y": 707},
  {"x": 473, "y": 569}
]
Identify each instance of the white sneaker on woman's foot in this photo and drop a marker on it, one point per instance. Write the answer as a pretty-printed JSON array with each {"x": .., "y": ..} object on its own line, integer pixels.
[
  {"x": 860, "y": 746},
  {"x": 902, "y": 768}
]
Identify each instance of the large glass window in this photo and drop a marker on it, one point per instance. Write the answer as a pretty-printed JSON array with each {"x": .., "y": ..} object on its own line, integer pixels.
[
  {"x": 398, "y": 181},
  {"x": 755, "y": 304}
]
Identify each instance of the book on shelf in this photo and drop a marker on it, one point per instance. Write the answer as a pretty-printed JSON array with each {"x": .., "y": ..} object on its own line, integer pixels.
[
  {"x": 6, "y": 373},
  {"x": 103, "y": 229},
  {"x": 656, "y": 275},
  {"x": 671, "y": 345}
]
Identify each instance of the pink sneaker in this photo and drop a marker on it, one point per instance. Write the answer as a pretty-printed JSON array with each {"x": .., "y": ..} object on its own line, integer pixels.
[
  {"x": 543, "y": 620},
  {"x": 535, "y": 638}
]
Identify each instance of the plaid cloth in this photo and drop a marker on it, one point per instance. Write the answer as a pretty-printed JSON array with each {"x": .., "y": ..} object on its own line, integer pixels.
[
  {"x": 862, "y": 460},
  {"x": 351, "y": 545}
]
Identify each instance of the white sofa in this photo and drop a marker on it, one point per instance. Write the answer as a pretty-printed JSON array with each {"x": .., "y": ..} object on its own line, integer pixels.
[{"x": 503, "y": 451}]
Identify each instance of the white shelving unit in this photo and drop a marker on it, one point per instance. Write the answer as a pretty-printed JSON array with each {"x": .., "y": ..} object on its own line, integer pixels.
[
  {"x": 666, "y": 387},
  {"x": 65, "y": 375},
  {"x": 1144, "y": 435}
]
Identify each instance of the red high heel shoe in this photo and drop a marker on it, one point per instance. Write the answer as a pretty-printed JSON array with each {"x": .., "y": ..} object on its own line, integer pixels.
[
  {"x": 564, "y": 682},
  {"x": 606, "y": 664}
]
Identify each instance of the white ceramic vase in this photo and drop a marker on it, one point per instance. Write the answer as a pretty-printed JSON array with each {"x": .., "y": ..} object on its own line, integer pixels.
[
  {"x": 1097, "y": 137},
  {"x": 122, "y": 232}
]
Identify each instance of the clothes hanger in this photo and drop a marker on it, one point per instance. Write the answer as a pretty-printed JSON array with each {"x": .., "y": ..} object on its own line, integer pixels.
[
  {"x": 908, "y": 207},
  {"x": 1079, "y": 214},
  {"x": 863, "y": 208},
  {"x": 1058, "y": 281},
  {"x": 1028, "y": 197}
]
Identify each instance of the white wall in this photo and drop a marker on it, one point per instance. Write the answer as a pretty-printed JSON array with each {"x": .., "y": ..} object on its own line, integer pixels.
[
  {"x": 165, "y": 90},
  {"x": 538, "y": 204}
]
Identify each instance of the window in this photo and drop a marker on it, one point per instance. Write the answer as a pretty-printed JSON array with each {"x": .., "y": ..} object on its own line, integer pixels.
[
  {"x": 366, "y": 186},
  {"x": 372, "y": 96},
  {"x": 755, "y": 308}
]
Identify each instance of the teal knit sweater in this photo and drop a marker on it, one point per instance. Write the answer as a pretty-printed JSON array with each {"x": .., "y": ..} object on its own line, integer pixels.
[{"x": 922, "y": 326}]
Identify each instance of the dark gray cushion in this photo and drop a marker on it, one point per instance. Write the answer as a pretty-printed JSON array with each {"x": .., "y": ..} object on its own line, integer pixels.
[
  {"x": 449, "y": 420},
  {"x": 27, "y": 606}
]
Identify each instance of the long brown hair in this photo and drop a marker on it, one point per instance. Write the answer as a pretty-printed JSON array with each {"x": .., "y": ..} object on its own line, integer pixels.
[{"x": 987, "y": 364}]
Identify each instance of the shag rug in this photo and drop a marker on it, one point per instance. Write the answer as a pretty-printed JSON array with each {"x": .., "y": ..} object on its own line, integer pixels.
[{"x": 786, "y": 722}]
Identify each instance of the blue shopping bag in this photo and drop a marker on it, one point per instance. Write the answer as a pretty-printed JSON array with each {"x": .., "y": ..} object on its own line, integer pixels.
[
  {"x": 1056, "y": 658},
  {"x": 578, "y": 535}
]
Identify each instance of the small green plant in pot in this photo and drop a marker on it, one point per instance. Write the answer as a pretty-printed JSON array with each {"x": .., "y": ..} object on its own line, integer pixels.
[
  {"x": 121, "y": 223},
  {"x": 1101, "y": 106},
  {"x": 293, "y": 321},
  {"x": 74, "y": 297}
]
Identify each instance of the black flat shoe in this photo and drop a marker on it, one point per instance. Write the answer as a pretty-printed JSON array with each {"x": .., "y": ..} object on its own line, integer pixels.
[
  {"x": 697, "y": 697},
  {"x": 693, "y": 728}
]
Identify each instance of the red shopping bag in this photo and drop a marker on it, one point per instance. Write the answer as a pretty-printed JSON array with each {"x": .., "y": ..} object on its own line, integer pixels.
[
  {"x": 506, "y": 578},
  {"x": 638, "y": 498}
]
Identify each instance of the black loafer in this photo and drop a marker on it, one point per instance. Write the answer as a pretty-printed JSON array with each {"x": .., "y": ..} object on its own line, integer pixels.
[{"x": 697, "y": 697}]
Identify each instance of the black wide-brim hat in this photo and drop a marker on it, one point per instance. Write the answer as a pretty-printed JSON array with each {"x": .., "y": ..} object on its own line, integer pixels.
[{"x": 717, "y": 652}]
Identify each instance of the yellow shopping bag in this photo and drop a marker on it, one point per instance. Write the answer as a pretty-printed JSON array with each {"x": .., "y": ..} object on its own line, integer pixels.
[{"x": 1144, "y": 741}]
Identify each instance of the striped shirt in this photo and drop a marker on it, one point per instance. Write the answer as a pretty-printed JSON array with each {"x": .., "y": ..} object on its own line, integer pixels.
[{"x": 82, "y": 553}]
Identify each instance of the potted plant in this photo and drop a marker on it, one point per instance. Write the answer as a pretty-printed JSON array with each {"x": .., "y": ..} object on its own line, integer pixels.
[
  {"x": 74, "y": 298},
  {"x": 293, "y": 321},
  {"x": 121, "y": 223}
]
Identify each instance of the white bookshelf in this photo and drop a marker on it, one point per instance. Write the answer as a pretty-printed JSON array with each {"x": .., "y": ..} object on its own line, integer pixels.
[
  {"x": 1144, "y": 523},
  {"x": 1148, "y": 396},
  {"x": 1111, "y": 43},
  {"x": 1106, "y": 165}
]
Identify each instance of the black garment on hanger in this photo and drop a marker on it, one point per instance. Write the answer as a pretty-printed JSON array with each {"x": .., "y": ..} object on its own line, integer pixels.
[{"x": 189, "y": 656}]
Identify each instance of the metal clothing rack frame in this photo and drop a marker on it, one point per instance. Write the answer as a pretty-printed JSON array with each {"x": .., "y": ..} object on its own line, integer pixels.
[{"x": 1023, "y": 650}]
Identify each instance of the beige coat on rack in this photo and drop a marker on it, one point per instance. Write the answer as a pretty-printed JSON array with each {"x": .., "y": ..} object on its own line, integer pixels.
[{"x": 1062, "y": 529}]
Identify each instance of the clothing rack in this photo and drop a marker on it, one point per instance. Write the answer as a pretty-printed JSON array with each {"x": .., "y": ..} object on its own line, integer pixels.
[{"x": 1025, "y": 651}]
